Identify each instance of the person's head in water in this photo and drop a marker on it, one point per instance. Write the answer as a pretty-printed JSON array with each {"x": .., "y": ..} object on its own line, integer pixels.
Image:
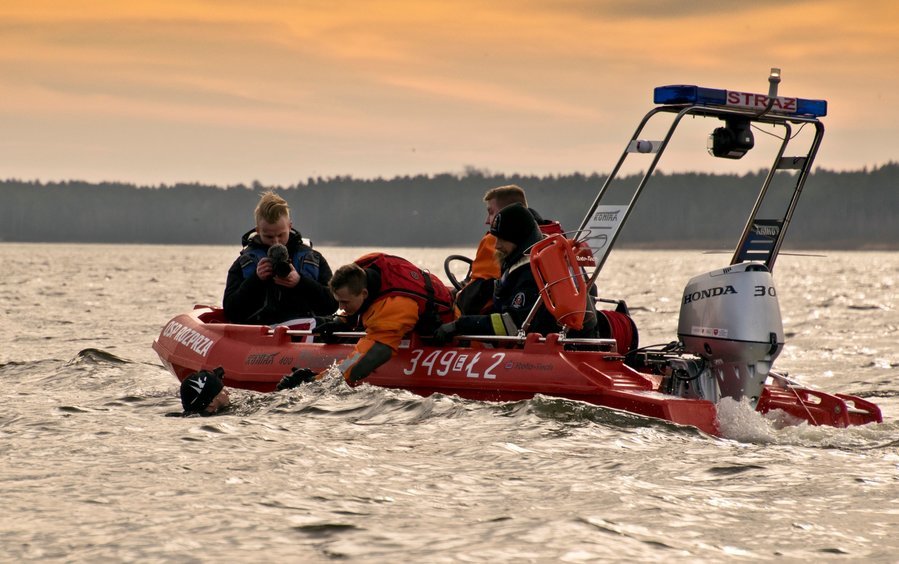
[{"x": 204, "y": 392}]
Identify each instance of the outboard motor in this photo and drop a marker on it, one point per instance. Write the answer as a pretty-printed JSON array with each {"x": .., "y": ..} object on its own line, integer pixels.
[{"x": 730, "y": 318}]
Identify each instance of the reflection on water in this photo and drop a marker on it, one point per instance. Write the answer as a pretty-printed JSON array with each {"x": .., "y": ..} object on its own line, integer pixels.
[{"x": 95, "y": 469}]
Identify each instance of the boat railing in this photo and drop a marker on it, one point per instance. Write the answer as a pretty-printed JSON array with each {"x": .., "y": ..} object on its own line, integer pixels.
[
  {"x": 610, "y": 344},
  {"x": 541, "y": 339}
]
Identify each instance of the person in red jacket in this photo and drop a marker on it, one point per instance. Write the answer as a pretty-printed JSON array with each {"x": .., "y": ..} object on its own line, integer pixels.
[{"x": 388, "y": 297}]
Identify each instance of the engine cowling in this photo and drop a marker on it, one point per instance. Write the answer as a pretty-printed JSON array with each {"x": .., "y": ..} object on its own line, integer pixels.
[{"x": 731, "y": 318}]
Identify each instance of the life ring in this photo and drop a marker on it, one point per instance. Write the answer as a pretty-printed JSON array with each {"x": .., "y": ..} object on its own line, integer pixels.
[{"x": 560, "y": 279}]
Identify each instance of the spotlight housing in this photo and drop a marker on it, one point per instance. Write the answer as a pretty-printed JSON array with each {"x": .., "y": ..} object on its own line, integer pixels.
[{"x": 732, "y": 141}]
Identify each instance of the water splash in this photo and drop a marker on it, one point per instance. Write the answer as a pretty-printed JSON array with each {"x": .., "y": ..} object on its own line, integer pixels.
[{"x": 738, "y": 420}]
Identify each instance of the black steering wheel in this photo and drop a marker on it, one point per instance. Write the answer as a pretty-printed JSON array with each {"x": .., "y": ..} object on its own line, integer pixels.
[{"x": 452, "y": 277}]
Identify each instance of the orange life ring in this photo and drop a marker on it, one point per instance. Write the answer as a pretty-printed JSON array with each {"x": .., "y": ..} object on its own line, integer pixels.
[{"x": 561, "y": 281}]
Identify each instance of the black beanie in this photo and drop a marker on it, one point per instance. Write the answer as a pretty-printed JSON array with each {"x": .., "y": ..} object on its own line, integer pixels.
[
  {"x": 200, "y": 388},
  {"x": 515, "y": 224}
]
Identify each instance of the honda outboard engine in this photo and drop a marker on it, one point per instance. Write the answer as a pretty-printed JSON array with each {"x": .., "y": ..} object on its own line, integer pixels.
[{"x": 730, "y": 318}]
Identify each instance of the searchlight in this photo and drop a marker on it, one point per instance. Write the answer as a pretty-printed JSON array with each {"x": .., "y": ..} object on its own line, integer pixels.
[{"x": 732, "y": 141}]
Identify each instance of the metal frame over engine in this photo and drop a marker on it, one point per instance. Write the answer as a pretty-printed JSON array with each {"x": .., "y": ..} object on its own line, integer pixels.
[{"x": 729, "y": 330}]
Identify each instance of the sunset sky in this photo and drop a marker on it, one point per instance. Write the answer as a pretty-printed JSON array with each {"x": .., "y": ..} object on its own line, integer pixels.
[{"x": 275, "y": 91}]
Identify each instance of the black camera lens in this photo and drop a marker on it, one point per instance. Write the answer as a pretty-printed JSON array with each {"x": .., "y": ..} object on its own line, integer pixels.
[{"x": 280, "y": 260}]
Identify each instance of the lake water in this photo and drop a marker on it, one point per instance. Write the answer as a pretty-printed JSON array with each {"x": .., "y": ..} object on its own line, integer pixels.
[{"x": 94, "y": 468}]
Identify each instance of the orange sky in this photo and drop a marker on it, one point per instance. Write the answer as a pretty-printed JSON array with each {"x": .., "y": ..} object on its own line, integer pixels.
[{"x": 232, "y": 91}]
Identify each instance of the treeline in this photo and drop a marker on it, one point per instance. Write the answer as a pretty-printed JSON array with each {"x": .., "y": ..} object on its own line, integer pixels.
[{"x": 838, "y": 210}]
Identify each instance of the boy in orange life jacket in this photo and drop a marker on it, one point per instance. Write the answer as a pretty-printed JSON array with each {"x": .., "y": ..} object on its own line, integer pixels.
[
  {"x": 388, "y": 296},
  {"x": 475, "y": 297}
]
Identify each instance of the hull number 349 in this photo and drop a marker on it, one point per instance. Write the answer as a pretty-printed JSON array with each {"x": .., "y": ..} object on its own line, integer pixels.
[{"x": 443, "y": 362}]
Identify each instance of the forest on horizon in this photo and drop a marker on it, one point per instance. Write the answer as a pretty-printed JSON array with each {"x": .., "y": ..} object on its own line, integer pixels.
[{"x": 837, "y": 210}]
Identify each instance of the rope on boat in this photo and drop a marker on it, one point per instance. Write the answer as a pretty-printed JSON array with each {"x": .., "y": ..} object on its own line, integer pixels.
[{"x": 792, "y": 386}]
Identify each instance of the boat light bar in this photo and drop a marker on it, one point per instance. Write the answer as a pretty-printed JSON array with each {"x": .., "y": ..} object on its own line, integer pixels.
[{"x": 700, "y": 96}]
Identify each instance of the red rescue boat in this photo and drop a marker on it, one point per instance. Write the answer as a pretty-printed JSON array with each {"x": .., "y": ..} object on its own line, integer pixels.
[
  {"x": 256, "y": 357},
  {"x": 729, "y": 330},
  {"x": 496, "y": 369}
]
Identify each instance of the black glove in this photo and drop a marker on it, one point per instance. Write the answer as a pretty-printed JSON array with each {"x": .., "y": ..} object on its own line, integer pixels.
[
  {"x": 295, "y": 378},
  {"x": 445, "y": 333},
  {"x": 325, "y": 331}
]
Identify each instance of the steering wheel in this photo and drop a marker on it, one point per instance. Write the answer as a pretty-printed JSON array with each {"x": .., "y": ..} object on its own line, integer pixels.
[{"x": 452, "y": 277}]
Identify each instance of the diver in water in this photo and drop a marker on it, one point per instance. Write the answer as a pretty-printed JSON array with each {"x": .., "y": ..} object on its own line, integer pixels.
[{"x": 204, "y": 393}]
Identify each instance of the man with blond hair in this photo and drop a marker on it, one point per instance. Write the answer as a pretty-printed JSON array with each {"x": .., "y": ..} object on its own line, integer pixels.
[{"x": 278, "y": 276}]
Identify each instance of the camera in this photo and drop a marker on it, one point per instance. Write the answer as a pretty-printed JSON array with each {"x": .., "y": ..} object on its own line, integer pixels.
[{"x": 280, "y": 260}]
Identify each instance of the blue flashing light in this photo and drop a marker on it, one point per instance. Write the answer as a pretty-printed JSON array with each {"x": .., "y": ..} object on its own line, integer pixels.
[
  {"x": 700, "y": 96},
  {"x": 684, "y": 94},
  {"x": 816, "y": 108}
]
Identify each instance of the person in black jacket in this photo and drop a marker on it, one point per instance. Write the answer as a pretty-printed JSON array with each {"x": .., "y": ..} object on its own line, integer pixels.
[
  {"x": 476, "y": 295},
  {"x": 277, "y": 277},
  {"x": 516, "y": 291}
]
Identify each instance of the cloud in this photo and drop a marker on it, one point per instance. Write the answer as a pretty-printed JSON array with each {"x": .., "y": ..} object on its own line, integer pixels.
[{"x": 536, "y": 84}]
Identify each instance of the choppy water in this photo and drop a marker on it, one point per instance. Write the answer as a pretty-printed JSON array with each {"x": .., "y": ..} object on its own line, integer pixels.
[{"x": 93, "y": 469}]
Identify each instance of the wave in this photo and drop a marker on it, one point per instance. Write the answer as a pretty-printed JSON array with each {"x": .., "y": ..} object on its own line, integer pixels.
[
  {"x": 96, "y": 381},
  {"x": 576, "y": 412},
  {"x": 96, "y": 356},
  {"x": 55, "y": 367},
  {"x": 370, "y": 405}
]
